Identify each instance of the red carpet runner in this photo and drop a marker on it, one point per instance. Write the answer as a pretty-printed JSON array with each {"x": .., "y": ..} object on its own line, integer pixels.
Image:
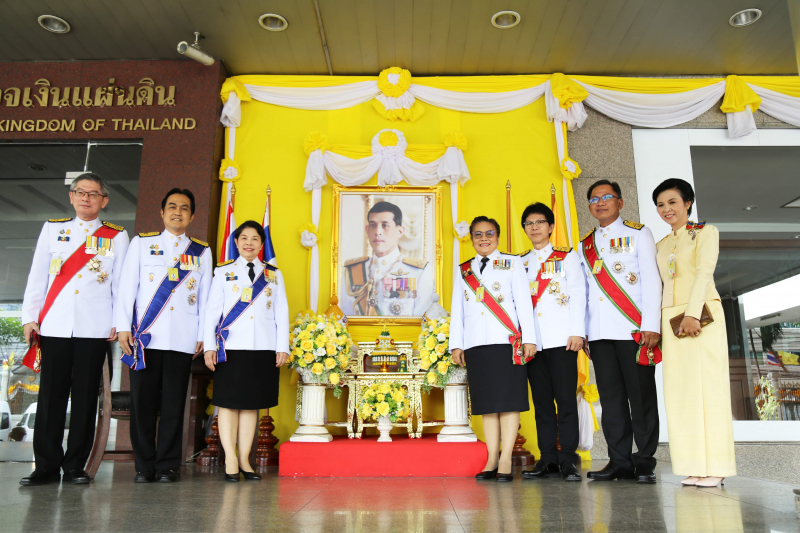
[{"x": 403, "y": 457}]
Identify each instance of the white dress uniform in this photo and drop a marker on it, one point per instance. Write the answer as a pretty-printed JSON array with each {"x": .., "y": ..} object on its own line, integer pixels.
[
  {"x": 561, "y": 311},
  {"x": 178, "y": 327},
  {"x": 89, "y": 293},
  {"x": 403, "y": 272}
]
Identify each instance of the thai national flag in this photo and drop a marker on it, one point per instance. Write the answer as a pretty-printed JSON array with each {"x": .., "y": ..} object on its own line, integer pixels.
[
  {"x": 772, "y": 359},
  {"x": 228, "y": 249},
  {"x": 267, "y": 253}
]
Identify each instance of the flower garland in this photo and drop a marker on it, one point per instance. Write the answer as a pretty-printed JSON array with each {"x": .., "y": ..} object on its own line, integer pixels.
[
  {"x": 384, "y": 399},
  {"x": 323, "y": 345},
  {"x": 434, "y": 353}
]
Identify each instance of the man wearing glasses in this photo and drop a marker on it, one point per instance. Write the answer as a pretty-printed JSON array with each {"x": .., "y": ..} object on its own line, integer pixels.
[
  {"x": 624, "y": 295},
  {"x": 67, "y": 316}
]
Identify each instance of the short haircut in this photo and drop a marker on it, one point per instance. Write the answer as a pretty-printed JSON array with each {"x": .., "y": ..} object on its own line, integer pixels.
[
  {"x": 538, "y": 209},
  {"x": 177, "y": 190},
  {"x": 250, "y": 224},
  {"x": 614, "y": 185},
  {"x": 482, "y": 218},
  {"x": 89, "y": 176},
  {"x": 683, "y": 187},
  {"x": 387, "y": 207}
]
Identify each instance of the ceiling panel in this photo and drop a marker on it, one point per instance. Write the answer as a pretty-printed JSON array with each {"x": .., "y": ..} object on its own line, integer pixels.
[{"x": 429, "y": 37}]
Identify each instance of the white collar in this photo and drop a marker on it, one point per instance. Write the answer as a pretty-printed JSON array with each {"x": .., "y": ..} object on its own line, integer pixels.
[
  {"x": 387, "y": 260},
  {"x": 93, "y": 222},
  {"x": 492, "y": 256},
  {"x": 547, "y": 250},
  {"x": 168, "y": 235},
  {"x": 614, "y": 226},
  {"x": 242, "y": 262}
]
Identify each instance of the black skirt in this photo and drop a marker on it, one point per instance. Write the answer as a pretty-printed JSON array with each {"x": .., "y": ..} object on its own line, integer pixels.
[
  {"x": 248, "y": 379},
  {"x": 496, "y": 384}
]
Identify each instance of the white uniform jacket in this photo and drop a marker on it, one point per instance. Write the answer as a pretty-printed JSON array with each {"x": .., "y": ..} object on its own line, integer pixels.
[
  {"x": 561, "y": 311},
  {"x": 264, "y": 325},
  {"x": 634, "y": 270},
  {"x": 84, "y": 307},
  {"x": 150, "y": 257},
  {"x": 472, "y": 324}
]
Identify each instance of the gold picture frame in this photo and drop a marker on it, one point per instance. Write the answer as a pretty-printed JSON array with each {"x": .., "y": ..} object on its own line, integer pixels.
[{"x": 432, "y": 199}]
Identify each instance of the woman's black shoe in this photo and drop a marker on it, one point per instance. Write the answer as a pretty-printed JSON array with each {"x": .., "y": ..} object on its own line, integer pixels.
[
  {"x": 505, "y": 477},
  {"x": 250, "y": 476},
  {"x": 233, "y": 478},
  {"x": 486, "y": 474}
]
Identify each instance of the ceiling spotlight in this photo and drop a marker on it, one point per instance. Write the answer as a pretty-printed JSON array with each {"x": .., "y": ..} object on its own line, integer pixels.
[
  {"x": 193, "y": 50},
  {"x": 272, "y": 22},
  {"x": 750, "y": 207},
  {"x": 37, "y": 167},
  {"x": 505, "y": 19},
  {"x": 797, "y": 236},
  {"x": 54, "y": 24},
  {"x": 745, "y": 17}
]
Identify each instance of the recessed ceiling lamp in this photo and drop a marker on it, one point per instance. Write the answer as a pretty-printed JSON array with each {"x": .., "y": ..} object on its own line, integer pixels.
[
  {"x": 272, "y": 22},
  {"x": 505, "y": 19},
  {"x": 745, "y": 17},
  {"x": 54, "y": 24},
  {"x": 37, "y": 167},
  {"x": 750, "y": 207}
]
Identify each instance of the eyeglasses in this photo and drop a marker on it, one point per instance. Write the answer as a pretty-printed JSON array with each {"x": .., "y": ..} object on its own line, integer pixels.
[
  {"x": 540, "y": 223},
  {"x": 605, "y": 198},
  {"x": 479, "y": 234},
  {"x": 83, "y": 194}
]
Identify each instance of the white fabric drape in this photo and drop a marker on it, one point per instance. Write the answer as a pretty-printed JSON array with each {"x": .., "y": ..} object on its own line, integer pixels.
[
  {"x": 573, "y": 117},
  {"x": 781, "y": 106},
  {"x": 316, "y": 98},
  {"x": 562, "y": 152},
  {"x": 477, "y": 102}
]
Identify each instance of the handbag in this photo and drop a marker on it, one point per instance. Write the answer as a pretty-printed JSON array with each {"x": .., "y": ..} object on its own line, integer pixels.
[{"x": 705, "y": 319}]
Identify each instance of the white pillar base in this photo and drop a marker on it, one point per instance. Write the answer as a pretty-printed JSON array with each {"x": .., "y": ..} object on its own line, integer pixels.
[
  {"x": 456, "y": 420},
  {"x": 312, "y": 424}
]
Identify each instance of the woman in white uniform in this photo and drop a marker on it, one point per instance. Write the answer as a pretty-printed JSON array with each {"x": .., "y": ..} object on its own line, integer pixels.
[{"x": 247, "y": 321}]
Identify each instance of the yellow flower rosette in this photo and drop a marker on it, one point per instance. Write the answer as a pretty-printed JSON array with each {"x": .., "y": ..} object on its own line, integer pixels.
[
  {"x": 334, "y": 378},
  {"x": 317, "y": 369},
  {"x": 383, "y": 408},
  {"x": 391, "y": 89}
]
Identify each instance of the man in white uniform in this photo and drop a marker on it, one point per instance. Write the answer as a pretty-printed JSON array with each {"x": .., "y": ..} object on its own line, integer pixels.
[
  {"x": 626, "y": 261},
  {"x": 68, "y": 306},
  {"x": 387, "y": 283},
  {"x": 159, "y": 311}
]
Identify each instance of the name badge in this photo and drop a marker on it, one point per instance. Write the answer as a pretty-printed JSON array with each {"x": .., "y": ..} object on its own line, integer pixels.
[
  {"x": 671, "y": 266},
  {"x": 156, "y": 252},
  {"x": 173, "y": 274},
  {"x": 55, "y": 266},
  {"x": 247, "y": 294},
  {"x": 479, "y": 293},
  {"x": 598, "y": 266},
  {"x": 534, "y": 287}
]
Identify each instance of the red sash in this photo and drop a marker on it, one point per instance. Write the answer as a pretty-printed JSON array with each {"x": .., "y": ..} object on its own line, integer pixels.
[
  {"x": 540, "y": 287},
  {"x": 71, "y": 266},
  {"x": 515, "y": 336},
  {"x": 620, "y": 299}
]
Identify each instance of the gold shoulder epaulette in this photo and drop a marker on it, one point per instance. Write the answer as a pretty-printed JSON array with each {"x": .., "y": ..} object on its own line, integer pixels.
[
  {"x": 566, "y": 249},
  {"x": 60, "y": 219},
  {"x": 634, "y": 225},
  {"x": 228, "y": 262},
  {"x": 467, "y": 261},
  {"x": 355, "y": 261},
  {"x": 589, "y": 234},
  {"x": 151, "y": 234},
  {"x": 113, "y": 226},
  {"x": 418, "y": 263},
  {"x": 198, "y": 241},
  {"x": 526, "y": 252}
]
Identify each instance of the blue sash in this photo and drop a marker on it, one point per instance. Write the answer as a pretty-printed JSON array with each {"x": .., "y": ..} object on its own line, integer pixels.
[
  {"x": 139, "y": 329},
  {"x": 236, "y": 311}
]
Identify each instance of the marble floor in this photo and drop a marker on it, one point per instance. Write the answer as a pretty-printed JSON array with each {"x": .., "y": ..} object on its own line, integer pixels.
[{"x": 201, "y": 501}]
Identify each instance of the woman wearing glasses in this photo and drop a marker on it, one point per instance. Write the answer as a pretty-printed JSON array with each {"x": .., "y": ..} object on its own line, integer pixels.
[
  {"x": 697, "y": 391},
  {"x": 493, "y": 332}
]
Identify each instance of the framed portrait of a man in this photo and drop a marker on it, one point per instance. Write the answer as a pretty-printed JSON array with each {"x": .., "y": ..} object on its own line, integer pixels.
[{"x": 387, "y": 252}]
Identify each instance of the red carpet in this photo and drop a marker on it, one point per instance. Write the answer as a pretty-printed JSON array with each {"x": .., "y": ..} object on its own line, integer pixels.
[{"x": 403, "y": 457}]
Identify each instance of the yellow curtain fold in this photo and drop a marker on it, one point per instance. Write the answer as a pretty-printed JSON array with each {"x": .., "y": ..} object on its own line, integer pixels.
[
  {"x": 566, "y": 90},
  {"x": 482, "y": 84},
  {"x": 647, "y": 85},
  {"x": 233, "y": 85},
  {"x": 788, "y": 85},
  {"x": 421, "y": 153},
  {"x": 738, "y": 95}
]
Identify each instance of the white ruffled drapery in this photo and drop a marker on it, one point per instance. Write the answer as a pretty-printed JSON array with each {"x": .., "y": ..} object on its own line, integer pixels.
[{"x": 778, "y": 105}]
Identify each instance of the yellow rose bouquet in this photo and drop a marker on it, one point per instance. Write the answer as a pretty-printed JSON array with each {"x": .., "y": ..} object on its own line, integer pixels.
[
  {"x": 434, "y": 353},
  {"x": 320, "y": 345},
  {"x": 384, "y": 399}
]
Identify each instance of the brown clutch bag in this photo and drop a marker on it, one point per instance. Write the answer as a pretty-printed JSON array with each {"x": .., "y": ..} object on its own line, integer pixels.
[{"x": 705, "y": 319}]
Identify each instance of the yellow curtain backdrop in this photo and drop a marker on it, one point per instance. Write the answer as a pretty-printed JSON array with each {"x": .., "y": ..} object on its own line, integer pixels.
[{"x": 518, "y": 146}]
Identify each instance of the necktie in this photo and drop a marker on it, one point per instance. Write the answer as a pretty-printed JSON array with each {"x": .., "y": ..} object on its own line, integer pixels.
[
  {"x": 483, "y": 263},
  {"x": 252, "y": 272}
]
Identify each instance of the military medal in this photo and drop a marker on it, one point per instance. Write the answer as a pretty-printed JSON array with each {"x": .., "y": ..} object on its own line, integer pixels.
[
  {"x": 230, "y": 276},
  {"x": 102, "y": 277},
  {"x": 553, "y": 287},
  {"x": 631, "y": 278},
  {"x": 173, "y": 274},
  {"x": 496, "y": 285},
  {"x": 621, "y": 245},
  {"x": 151, "y": 276},
  {"x": 562, "y": 300},
  {"x": 270, "y": 276},
  {"x": 396, "y": 308},
  {"x": 534, "y": 287},
  {"x": 192, "y": 299},
  {"x": 268, "y": 291},
  {"x": 91, "y": 245},
  {"x": 269, "y": 304},
  {"x": 63, "y": 238},
  {"x": 503, "y": 264},
  {"x": 671, "y": 266},
  {"x": 598, "y": 266},
  {"x": 55, "y": 266},
  {"x": 247, "y": 294},
  {"x": 190, "y": 262},
  {"x": 412, "y": 287},
  {"x": 235, "y": 288},
  {"x": 695, "y": 228},
  {"x": 618, "y": 267},
  {"x": 466, "y": 295},
  {"x": 94, "y": 265},
  {"x": 155, "y": 251},
  {"x": 479, "y": 293},
  {"x": 190, "y": 283}
]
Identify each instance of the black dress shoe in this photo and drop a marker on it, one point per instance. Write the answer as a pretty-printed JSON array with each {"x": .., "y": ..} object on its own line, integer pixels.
[
  {"x": 232, "y": 478},
  {"x": 611, "y": 472},
  {"x": 486, "y": 474},
  {"x": 145, "y": 477},
  {"x": 505, "y": 477},
  {"x": 645, "y": 474},
  {"x": 542, "y": 468},
  {"x": 76, "y": 476},
  {"x": 40, "y": 477},
  {"x": 569, "y": 472},
  {"x": 168, "y": 476},
  {"x": 249, "y": 476}
]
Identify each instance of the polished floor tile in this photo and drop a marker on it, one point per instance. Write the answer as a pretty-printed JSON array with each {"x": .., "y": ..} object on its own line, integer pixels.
[{"x": 202, "y": 501}]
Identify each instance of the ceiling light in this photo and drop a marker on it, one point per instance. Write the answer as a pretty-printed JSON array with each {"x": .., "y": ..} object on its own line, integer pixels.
[
  {"x": 745, "y": 17},
  {"x": 750, "y": 207},
  {"x": 54, "y": 24},
  {"x": 797, "y": 236},
  {"x": 793, "y": 203},
  {"x": 272, "y": 22},
  {"x": 37, "y": 167},
  {"x": 505, "y": 19},
  {"x": 193, "y": 50}
]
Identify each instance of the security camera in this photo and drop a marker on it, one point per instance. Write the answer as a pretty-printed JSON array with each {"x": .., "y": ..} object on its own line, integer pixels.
[{"x": 193, "y": 50}]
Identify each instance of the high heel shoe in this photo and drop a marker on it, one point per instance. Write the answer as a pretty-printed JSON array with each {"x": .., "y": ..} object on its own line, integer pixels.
[
  {"x": 233, "y": 478},
  {"x": 249, "y": 476},
  {"x": 711, "y": 482},
  {"x": 690, "y": 481},
  {"x": 505, "y": 477},
  {"x": 486, "y": 474}
]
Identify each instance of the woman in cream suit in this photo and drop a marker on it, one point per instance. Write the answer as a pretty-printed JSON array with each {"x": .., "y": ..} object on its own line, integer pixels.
[{"x": 696, "y": 376}]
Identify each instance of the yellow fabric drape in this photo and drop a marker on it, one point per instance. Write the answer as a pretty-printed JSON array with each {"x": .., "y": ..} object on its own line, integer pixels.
[
  {"x": 482, "y": 84},
  {"x": 647, "y": 85},
  {"x": 739, "y": 95},
  {"x": 421, "y": 153},
  {"x": 788, "y": 85},
  {"x": 566, "y": 90}
]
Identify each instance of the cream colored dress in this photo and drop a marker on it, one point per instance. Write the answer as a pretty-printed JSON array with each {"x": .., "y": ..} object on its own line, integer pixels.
[{"x": 697, "y": 390}]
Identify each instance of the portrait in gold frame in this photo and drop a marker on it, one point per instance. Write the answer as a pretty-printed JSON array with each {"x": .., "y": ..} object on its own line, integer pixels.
[{"x": 361, "y": 296}]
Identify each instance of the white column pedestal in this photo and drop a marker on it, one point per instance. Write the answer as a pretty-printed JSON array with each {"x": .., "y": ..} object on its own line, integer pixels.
[
  {"x": 456, "y": 422},
  {"x": 312, "y": 422}
]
